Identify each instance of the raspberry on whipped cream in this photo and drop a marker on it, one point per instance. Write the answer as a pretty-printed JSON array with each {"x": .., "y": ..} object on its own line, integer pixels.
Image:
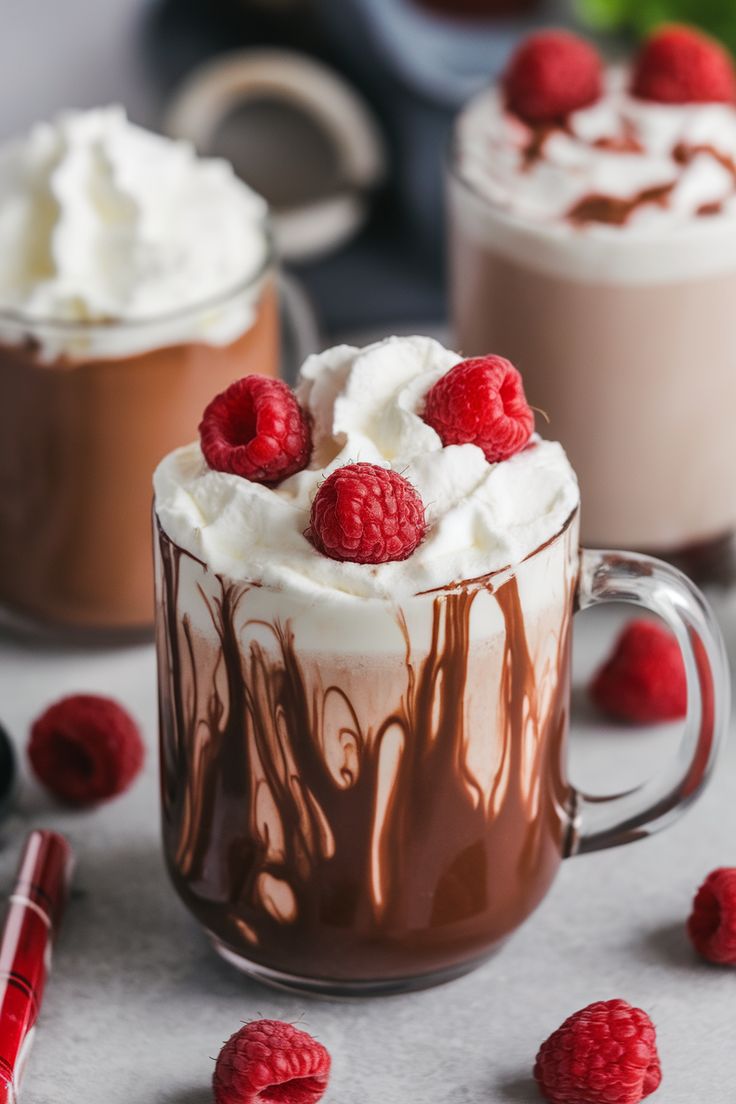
[
  {"x": 551, "y": 74},
  {"x": 366, "y": 406},
  {"x": 367, "y": 514},
  {"x": 679, "y": 65},
  {"x": 256, "y": 429},
  {"x": 482, "y": 402}
]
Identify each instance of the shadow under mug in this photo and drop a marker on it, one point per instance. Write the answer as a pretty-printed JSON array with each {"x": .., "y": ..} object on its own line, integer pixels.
[{"x": 361, "y": 797}]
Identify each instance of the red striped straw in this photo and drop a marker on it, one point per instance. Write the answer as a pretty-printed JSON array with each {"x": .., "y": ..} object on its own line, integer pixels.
[{"x": 31, "y": 923}]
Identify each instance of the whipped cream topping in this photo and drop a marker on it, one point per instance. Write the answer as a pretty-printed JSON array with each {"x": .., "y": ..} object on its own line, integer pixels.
[
  {"x": 103, "y": 221},
  {"x": 366, "y": 405},
  {"x": 619, "y": 148}
]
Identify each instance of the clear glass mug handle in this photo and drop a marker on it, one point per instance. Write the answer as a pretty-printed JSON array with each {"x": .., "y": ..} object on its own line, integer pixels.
[{"x": 601, "y": 822}]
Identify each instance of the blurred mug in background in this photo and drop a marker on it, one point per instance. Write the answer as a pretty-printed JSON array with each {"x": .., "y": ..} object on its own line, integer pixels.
[
  {"x": 135, "y": 281},
  {"x": 593, "y": 242}
]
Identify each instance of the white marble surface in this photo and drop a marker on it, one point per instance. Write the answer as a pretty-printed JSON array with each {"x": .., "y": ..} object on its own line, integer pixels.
[{"x": 138, "y": 1005}]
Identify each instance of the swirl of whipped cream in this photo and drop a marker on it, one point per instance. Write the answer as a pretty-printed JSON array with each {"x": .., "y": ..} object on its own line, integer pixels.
[
  {"x": 103, "y": 221},
  {"x": 366, "y": 405},
  {"x": 619, "y": 148}
]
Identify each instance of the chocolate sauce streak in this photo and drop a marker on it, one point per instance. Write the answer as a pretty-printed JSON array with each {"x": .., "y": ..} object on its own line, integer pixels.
[
  {"x": 683, "y": 154},
  {"x": 314, "y": 844},
  {"x": 626, "y": 142},
  {"x": 534, "y": 150},
  {"x": 616, "y": 211}
]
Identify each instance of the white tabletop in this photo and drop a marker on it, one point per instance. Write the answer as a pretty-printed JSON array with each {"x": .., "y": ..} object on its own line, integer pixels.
[{"x": 138, "y": 1004}]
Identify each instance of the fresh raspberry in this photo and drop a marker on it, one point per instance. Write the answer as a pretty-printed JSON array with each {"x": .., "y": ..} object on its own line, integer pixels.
[
  {"x": 85, "y": 749},
  {"x": 680, "y": 65},
  {"x": 481, "y": 402},
  {"x": 643, "y": 681},
  {"x": 551, "y": 74},
  {"x": 269, "y": 1062},
  {"x": 256, "y": 429},
  {"x": 603, "y": 1054},
  {"x": 712, "y": 922},
  {"x": 366, "y": 514}
]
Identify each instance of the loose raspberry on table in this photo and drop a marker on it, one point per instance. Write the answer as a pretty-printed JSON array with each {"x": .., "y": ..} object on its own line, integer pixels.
[
  {"x": 712, "y": 922},
  {"x": 366, "y": 514},
  {"x": 603, "y": 1054},
  {"x": 679, "y": 65},
  {"x": 256, "y": 429},
  {"x": 481, "y": 402},
  {"x": 269, "y": 1062},
  {"x": 85, "y": 749},
  {"x": 643, "y": 681},
  {"x": 551, "y": 74}
]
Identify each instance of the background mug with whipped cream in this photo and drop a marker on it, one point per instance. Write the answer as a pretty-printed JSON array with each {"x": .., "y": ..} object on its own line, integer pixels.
[
  {"x": 600, "y": 256},
  {"x": 136, "y": 279},
  {"x": 363, "y": 767}
]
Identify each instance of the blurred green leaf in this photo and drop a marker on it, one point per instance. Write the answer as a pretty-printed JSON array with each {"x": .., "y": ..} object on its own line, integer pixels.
[
  {"x": 605, "y": 14},
  {"x": 716, "y": 16}
]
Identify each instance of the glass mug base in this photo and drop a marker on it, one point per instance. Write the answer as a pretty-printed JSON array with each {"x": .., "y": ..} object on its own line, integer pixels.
[
  {"x": 32, "y": 629},
  {"x": 342, "y": 988}
]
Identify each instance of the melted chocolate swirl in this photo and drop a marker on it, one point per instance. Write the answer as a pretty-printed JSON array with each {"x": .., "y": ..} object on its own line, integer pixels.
[{"x": 322, "y": 837}]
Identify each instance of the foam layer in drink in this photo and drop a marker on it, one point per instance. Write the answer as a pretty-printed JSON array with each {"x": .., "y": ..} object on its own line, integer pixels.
[{"x": 336, "y": 809}]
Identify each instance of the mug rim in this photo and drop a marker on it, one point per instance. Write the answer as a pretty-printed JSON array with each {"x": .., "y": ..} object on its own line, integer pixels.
[
  {"x": 32, "y": 324},
  {"x": 479, "y": 582}
]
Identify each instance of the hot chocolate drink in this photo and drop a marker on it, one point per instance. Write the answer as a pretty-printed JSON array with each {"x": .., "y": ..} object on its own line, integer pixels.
[
  {"x": 135, "y": 279},
  {"x": 364, "y": 667},
  {"x": 358, "y": 760},
  {"x": 597, "y": 249}
]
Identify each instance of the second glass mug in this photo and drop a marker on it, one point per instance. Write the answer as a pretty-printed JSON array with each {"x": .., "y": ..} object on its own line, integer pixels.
[
  {"x": 609, "y": 328},
  {"x": 86, "y": 412},
  {"x": 373, "y": 802}
]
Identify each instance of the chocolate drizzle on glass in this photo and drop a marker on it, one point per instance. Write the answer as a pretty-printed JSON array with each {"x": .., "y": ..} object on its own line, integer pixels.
[{"x": 322, "y": 817}]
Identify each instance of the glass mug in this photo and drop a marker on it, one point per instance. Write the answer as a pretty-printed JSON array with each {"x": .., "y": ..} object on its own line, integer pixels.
[
  {"x": 86, "y": 412},
  {"x": 371, "y": 799},
  {"x": 606, "y": 328}
]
